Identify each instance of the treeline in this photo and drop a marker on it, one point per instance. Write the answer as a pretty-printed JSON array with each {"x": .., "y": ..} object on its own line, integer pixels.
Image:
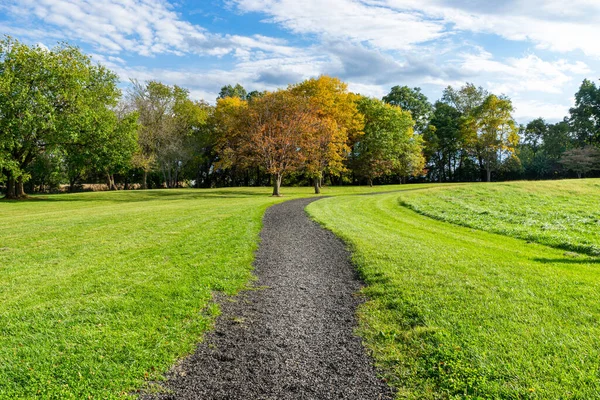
[
  {"x": 470, "y": 135},
  {"x": 64, "y": 121}
]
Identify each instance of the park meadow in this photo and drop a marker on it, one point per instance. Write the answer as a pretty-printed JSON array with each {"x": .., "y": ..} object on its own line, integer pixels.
[{"x": 476, "y": 247}]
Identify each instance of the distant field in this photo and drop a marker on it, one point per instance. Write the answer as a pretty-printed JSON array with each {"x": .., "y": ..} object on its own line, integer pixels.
[
  {"x": 561, "y": 214},
  {"x": 461, "y": 313},
  {"x": 102, "y": 292}
]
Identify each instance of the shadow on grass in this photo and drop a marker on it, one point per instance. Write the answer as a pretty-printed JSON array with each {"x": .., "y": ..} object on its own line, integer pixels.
[
  {"x": 567, "y": 260},
  {"x": 144, "y": 195}
]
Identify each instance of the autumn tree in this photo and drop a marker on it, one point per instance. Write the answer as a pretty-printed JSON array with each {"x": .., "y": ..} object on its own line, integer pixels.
[
  {"x": 48, "y": 99},
  {"x": 341, "y": 125},
  {"x": 202, "y": 143},
  {"x": 389, "y": 144},
  {"x": 230, "y": 130},
  {"x": 277, "y": 129},
  {"x": 492, "y": 132}
]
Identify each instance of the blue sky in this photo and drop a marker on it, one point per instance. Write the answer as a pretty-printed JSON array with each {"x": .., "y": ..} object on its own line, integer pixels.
[{"x": 535, "y": 51}]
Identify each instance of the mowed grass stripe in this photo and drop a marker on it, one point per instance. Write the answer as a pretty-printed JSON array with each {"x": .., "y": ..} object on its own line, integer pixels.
[
  {"x": 562, "y": 214},
  {"x": 460, "y": 313}
]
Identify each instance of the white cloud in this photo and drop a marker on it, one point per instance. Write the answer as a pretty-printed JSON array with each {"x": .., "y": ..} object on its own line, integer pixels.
[
  {"x": 554, "y": 25},
  {"x": 400, "y": 24},
  {"x": 518, "y": 75},
  {"x": 526, "y": 110},
  {"x": 145, "y": 27},
  {"x": 358, "y": 21},
  {"x": 372, "y": 44}
]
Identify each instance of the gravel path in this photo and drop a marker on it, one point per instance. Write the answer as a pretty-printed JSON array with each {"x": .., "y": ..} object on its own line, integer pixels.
[{"x": 292, "y": 338}]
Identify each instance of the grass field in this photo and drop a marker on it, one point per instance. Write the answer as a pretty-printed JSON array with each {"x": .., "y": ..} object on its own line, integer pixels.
[
  {"x": 102, "y": 292},
  {"x": 456, "y": 312},
  {"x": 561, "y": 214}
]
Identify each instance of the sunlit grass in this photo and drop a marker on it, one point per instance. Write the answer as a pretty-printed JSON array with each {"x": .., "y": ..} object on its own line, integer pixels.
[
  {"x": 102, "y": 292},
  {"x": 461, "y": 313},
  {"x": 563, "y": 214}
]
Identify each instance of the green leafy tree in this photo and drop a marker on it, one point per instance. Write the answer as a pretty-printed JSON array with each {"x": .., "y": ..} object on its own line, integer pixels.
[
  {"x": 235, "y": 91},
  {"x": 581, "y": 160},
  {"x": 466, "y": 99},
  {"x": 542, "y": 147},
  {"x": 118, "y": 145},
  {"x": 585, "y": 116},
  {"x": 444, "y": 142},
  {"x": 412, "y": 100},
  {"x": 534, "y": 133},
  {"x": 169, "y": 120},
  {"x": 47, "y": 99},
  {"x": 389, "y": 144}
]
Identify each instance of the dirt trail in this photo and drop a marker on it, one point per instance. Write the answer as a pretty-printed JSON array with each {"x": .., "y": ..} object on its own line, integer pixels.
[{"x": 294, "y": 338}]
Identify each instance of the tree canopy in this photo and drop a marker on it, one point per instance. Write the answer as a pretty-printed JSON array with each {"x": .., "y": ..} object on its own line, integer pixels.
[{"x": 49, "y": 99}]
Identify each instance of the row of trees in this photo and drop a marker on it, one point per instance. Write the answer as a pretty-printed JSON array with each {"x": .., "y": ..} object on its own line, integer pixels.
[
  {"x": 315, "y": 128},
  {"x": 470, "y": 135},
  {"x": 64, "y": 121}
]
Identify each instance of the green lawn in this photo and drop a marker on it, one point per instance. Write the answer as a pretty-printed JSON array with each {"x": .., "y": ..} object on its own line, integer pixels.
[
  {"x": 102, "y": 292},
  {"x": 456, "y": 312},
  {"x": 561, "y": 214}
]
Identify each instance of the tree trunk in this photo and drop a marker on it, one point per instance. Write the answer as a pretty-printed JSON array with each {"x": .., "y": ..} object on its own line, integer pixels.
[
  {"x": 488, "y": 174},
  {"x": 316, "y": 184},
  {"x": 145, "y": 180},
  {"x": 10, "y": 187},
  {"x": 165, "y": 184},
  {"x": 370, "y": 182},
  {"x": 277, "y": 185},
  {"x": 19, "y": 189},
  {"x": 111, "y": 181}
]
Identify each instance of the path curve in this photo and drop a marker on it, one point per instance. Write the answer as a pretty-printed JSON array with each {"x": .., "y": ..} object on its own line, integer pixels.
[{"x": 292, "y": 338}]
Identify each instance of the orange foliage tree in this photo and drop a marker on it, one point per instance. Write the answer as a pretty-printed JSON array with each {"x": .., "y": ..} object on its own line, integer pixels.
[
  {"x": 341, "y": 124},
  {"x": 278, "y": 131}
]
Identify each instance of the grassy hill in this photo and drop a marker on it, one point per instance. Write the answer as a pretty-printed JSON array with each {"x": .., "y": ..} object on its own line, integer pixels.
[{"x": 458, "y": 312}]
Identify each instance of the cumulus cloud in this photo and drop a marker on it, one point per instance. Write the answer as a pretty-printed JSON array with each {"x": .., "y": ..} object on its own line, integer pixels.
[
  {"x": 359, "y": 21},
  {"x": 372, "y": 44},
  {"x": 400, "y": 24},
  {"x": 144, "y": 27},
  {"x": 526, "y": 110},
  {"x": 518, "y": 75}
]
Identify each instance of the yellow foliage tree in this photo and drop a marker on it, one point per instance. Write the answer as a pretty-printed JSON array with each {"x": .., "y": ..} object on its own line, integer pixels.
[{"x": 341, "y": 125}]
